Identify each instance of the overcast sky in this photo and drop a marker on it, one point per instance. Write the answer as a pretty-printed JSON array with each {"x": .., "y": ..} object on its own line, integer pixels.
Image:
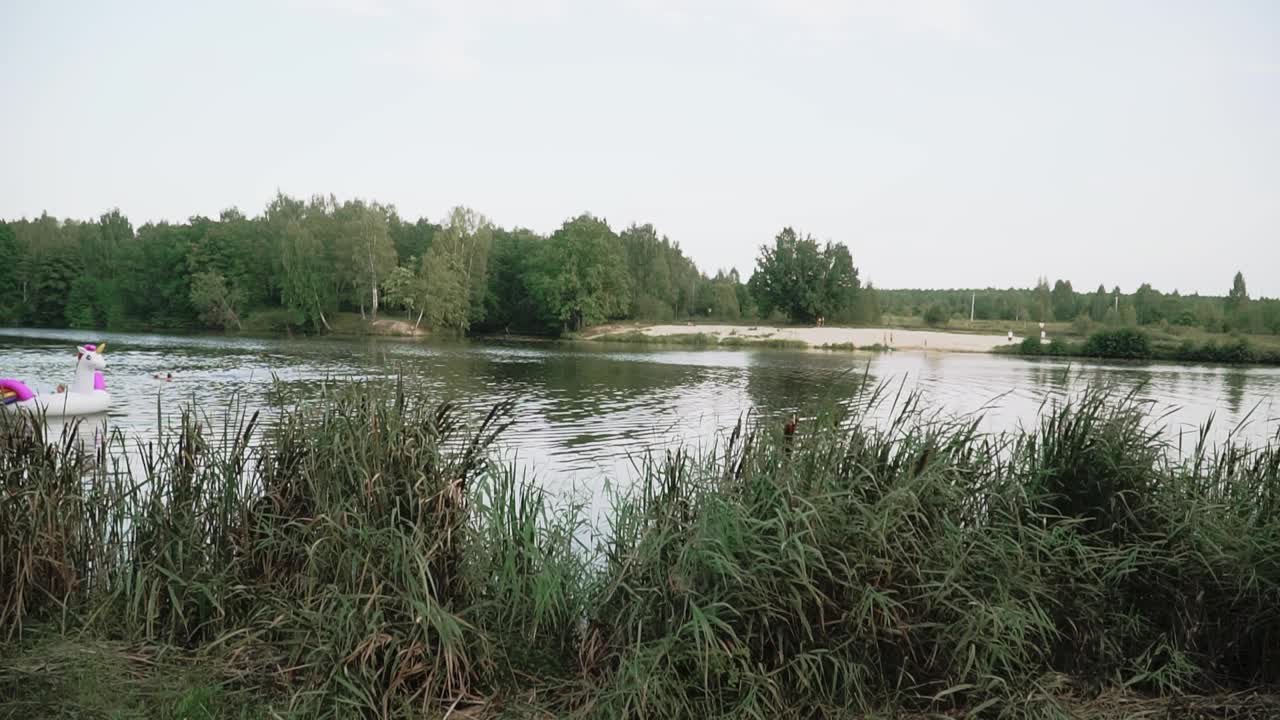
[{"x": 949, "y": 144}]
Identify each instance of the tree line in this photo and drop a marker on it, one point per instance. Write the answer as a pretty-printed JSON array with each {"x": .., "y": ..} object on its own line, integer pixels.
[
  {"x": 301, "y": 262},
  {"x": 1235, "y": 311}
]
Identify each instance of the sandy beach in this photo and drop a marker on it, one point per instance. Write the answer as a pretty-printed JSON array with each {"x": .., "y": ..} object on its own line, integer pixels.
[{"x": 818, "y": 336}]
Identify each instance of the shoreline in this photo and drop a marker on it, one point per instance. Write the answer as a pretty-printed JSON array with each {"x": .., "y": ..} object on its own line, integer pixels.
[{"x": 807, "y": 337}]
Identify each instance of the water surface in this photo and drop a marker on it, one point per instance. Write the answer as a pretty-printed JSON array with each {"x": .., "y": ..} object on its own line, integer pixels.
[{"x": 586, "y": 411}]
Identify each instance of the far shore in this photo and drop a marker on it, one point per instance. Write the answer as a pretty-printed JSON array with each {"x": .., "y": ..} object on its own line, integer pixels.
[{"x": 817, "y": 337}]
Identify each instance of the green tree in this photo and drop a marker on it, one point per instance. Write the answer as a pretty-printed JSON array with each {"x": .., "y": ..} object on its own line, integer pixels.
[
  {"x": 1146, "y": 305},
  {"x": 400, "y": 290},
  {"x": 868, "y": 312},
  {"x": 217, "y": 303},
  {"x": 509, "y": 301},
  {"x": 412, "y": 240},
  {"x": 12, "y": 290},
  {"x": 839, "y": 296},
  {"x": 455, "y": 270},
  {"x": 372, "y": 254},
  {"x": 446, "y": 303},
  {"x": 746, "y": 303},
  {"x": 802, "y": 280},
  {"x": 1237, "y": 304},
  {"x": 1063, "y": 300},
  {"x": 1042, "y": 307},
  {"x": 649, "y": 267},
  {"x": 722, "y": 297},
  {"x": 306, "y": 288},
  {"x": 79, "y": 311},
  {"x": 936, "y": 315},
  {"x": 579, "y": 277},
  {"x": 156, "y": 275},
  {"x": 1239, "y": 294}
]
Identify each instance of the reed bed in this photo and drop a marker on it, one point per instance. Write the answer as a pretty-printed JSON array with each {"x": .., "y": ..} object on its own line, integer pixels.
[{"x": 367, "y": 556}]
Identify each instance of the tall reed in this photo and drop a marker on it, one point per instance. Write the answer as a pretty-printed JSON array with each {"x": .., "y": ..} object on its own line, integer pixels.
[{"x": 366, "y": 555}]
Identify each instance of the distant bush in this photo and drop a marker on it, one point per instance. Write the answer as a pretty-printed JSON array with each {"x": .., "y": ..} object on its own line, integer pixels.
[
  {"x": 1082, "y": 325},
  {"x": 777, "y": 343},
  {"x": 274, "y": 320},
  {"x": 648, "y": 307},
  {"x": 1121, "y": 343},
  {"x": 877, "y": 347},
  {"x": 1235, "y": 351},
  {"x": 1031, "y": 346},
  {"x": 1058, "y": 346},
  {"x": 936, "y": 316}
]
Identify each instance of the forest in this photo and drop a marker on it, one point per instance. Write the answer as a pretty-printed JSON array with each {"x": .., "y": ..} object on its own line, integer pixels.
[
  {"x": 1235, "y": 312},
  {"x": 300, "y": 263}
]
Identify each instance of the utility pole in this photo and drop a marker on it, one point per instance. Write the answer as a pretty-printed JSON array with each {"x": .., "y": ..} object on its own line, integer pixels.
[{"x": 973, "y": 302}]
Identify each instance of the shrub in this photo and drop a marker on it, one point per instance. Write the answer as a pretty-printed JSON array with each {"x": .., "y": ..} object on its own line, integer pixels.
[
  {"x": 1125, "y": 343},
  {"x": 274, "y": 320},
  {"x": 936, "y": 316},
  {"x": 1031, "y": 346},
  {"x": 1237, "y": 350},
  {"x": 1187, "y": 318},
  {"x": 648, "y": 307},
  {"x": 1058, "y": 346}
]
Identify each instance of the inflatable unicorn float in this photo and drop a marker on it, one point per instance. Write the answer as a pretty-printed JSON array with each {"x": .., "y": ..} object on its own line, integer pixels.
[{"x": 86, "y": 396}]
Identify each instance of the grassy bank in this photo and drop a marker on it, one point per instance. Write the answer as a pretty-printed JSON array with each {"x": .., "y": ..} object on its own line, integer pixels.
[
  {"x": 1129, "y": 344},
  {"x": 366, "y": 557}
]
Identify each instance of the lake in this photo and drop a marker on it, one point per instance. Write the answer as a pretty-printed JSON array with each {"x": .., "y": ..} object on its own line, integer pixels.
[{"x": 585, "y": 411}]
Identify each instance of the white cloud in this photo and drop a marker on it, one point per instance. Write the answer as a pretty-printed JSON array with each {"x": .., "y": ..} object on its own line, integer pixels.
[
  {"x": 440, "y": 53},
  {"x": 952, "y": 17},
  {"x": 364, "y": 8}
]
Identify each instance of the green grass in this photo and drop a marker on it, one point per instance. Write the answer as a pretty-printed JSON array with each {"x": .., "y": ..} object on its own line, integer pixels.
[
  {"x": 90, "y": 678},
  {"x": 984, "y": 327},
  {"x": 1134, "y": 344},
  {"x": 849, "y": 347},
  {"x": 365, "y": 556}
]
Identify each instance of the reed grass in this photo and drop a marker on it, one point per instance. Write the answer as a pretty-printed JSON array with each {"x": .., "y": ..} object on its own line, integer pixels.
[{"x": 366, "y": 556}]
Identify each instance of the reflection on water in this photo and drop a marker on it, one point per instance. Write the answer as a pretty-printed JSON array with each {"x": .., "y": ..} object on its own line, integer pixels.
[{"x": 584, "y": 410}]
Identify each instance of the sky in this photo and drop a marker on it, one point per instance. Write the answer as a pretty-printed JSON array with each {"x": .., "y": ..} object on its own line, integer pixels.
[{"x": 955, "y": 143}]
